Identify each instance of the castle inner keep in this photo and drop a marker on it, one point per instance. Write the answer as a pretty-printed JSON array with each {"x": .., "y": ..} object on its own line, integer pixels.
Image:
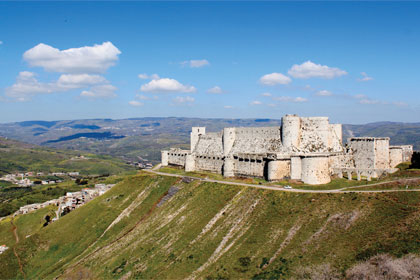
[{"x": 309, "y": 149}]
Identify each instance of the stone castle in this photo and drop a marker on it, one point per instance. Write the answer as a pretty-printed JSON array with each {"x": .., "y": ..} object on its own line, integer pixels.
[{"x": 309, "y": 149}]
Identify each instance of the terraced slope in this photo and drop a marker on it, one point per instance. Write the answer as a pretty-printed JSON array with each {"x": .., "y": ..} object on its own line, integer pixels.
[{"x": 156, "y": 227}]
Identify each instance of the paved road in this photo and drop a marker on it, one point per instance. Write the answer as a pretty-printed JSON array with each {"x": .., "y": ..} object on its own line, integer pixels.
[{"x": 278, "y": 188}]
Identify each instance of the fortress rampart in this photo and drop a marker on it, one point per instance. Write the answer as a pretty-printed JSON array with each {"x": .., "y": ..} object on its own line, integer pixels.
[{"x": 309, "y": 149}]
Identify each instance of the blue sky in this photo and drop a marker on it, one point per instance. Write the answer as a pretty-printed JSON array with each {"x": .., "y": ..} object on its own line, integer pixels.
[{"x": 355, "y": 62}]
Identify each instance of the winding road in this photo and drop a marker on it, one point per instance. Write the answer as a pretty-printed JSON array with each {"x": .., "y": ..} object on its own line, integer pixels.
[{"x": 278, "y": 188}]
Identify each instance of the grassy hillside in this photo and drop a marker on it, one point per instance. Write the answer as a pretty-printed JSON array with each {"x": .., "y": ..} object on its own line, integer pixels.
[
  {"x": 151, "y": 226},
  {"x": 17, "y": 156}
]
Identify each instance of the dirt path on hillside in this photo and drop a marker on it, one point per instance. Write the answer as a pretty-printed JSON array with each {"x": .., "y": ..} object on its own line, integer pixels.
[
  {"x": 14, "y": 230},
  {"x": 278, "y": 188}
]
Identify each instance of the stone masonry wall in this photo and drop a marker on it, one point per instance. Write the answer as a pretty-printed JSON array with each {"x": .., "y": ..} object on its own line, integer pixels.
[
  {"x": 209, "y": 163},
  {"x": 382, "y": 153},
  {"x": 395, "y": 156},
  {"x": 177, "y": 157},
  {"x": 249, "y": 165},
  {"x": 210, "y": 144},
  {"x": 315, "y": 135},
  {"x": 363, "y": 152},
  {"x": 256, "y": 140}
]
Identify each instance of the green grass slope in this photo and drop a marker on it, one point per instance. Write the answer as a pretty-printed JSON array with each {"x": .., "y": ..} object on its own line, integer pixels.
[
  {"x": 17, "y": 156},
  {"x": 156, "y": 227}
]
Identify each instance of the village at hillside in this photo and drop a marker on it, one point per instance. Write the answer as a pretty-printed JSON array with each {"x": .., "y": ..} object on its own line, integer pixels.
[
  {"x": 24, "y": 179},
  {"x": 69, "y": 202}
]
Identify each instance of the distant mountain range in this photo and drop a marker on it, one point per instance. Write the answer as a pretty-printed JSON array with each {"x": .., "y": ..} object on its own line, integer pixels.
[{"x": 137, "y": 138}]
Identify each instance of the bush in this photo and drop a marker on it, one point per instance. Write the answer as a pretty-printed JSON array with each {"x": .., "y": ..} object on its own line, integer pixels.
[
  {"x": 386, "y": 267},
  {"x": 415, "y": 160}
]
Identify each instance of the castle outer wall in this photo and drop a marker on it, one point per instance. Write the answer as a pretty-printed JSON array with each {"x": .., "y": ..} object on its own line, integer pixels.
[{"x": 307, "y": 149}]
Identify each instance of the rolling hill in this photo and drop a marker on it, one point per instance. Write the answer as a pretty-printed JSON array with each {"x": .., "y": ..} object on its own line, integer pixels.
[
  {"x": 136, "y": 138},
  {"x": 157, "y": 227},
  {"x": 18, "y": 156}
]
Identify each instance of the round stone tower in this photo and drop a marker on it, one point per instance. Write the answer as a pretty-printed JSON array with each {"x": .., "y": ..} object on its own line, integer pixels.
[
  {"x": 315, "y": 170},
  {"x": 290, "y": 131}
]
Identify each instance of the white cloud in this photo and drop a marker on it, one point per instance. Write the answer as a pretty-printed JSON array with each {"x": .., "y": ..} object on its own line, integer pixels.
[
  {"x": 266, "y": 94},
  {"x": 79, "y": 80},
  {"x": 365, "y": 77},
  {"x": 166, "y": 85},
  {"x": 368, "y": 101},
  {"x": 196, "y": 63},
  {"x": 215, "y": 90},
  {"x": 88, "y": 59},
  {"x": 183, "y": 100},
  {"x": 27, "y": 85},
  {"x": 363, "y": 99},
  {"x": 255, "y": 102},
  {"x": 309, "y": 69},
  {"x": 275, "y": 79},
  {"x": 135, "y": 103},
  {"x": 324, "y": 93},
  {"x": 228, "y": 107},
  {"x": 148, "y": 77},
  {"x": 291, "y": 99},
  {"x": 300, "y": 99},
  {"x": 101, "y": 91},
  {"x": 142, "y": 97}
]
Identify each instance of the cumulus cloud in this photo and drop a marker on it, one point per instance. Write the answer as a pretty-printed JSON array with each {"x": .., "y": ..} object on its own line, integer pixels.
[
  {"x": 291, "y": 99},
  {"x": 79, "y": 80},
  {"x": 27, "y": 85},
  {"x": 215, "y": 90},
  {"x": 256, "y": 102},
  {"x": 135, "y": 103},
  {"x": 100, "y": 91},
  {"x": 266, "y": 94},
  {"x": 309, "y": 69},
  {"x": 183, "y": 100},
  {"x": 323, "y": 93},
  {"x": 275, "y": 79},
  {"x": 195, "y": 63},
  {"x": 365, "y": 77},
  {"x": 148, "y": 77},
  {"x": 88, "y": 59},
  {"x": 163, "y": 85}
]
